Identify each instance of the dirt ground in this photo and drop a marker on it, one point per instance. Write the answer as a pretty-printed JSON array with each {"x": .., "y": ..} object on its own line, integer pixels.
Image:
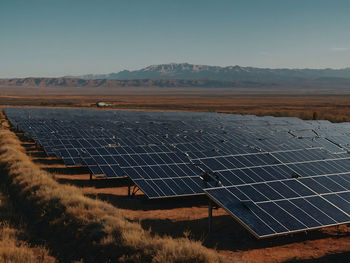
[
  {"x": 189, "y": 216},
  {"x": 306, "y": 104}
]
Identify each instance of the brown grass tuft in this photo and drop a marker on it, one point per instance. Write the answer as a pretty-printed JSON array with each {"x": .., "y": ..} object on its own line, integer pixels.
[{"x": 12, "y": 249}]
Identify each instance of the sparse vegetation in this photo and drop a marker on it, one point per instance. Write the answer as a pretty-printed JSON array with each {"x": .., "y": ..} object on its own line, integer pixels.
[
  {"x": 82, "y": 228},
  {"x": 12, "y": 248},
  {"x": 332, "y": 105}
]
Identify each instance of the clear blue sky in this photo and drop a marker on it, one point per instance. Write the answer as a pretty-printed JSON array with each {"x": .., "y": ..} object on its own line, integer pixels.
[{"x": 55, "y": 38}]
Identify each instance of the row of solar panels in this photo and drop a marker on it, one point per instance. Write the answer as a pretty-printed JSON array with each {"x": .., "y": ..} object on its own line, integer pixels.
[{"x": 274, "y": 175}]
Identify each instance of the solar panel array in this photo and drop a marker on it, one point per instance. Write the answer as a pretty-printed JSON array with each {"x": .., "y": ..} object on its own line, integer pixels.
[{"x": 274, "y": 175}]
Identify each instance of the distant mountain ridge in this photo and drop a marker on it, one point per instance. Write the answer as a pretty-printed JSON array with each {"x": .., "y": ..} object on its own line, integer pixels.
[
  {"x": 230, "y": 73},
  {"x": 113, "y": 83},
  {"x": 320, "y": 83},
  {"x": 189, "y": 75}
]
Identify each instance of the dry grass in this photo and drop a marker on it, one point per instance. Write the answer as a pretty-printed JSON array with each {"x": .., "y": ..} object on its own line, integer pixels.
[
  {"x": 95, "y": 230},
  {"x": 12, "y": 249}
]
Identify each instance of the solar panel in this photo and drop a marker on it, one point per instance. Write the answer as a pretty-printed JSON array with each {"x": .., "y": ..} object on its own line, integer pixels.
[
  {"x": 287, "y": 206},
  {"x": 273, "y": 175}
]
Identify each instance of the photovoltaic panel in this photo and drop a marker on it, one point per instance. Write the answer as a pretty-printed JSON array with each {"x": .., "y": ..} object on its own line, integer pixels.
[
  {"x": 274, "y": 175},
  {"x": 287, "y": 206}
]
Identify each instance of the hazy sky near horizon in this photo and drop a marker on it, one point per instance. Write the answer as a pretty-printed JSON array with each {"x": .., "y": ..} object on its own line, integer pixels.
[{"x": 61, "y": 37}]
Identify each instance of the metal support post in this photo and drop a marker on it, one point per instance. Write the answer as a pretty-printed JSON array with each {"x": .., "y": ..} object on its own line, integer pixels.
[
  {"x": 129, "y": 188},
  {"x": 210, "y": 216}
]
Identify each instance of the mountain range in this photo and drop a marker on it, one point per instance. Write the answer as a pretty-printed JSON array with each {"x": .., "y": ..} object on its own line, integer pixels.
[
  {"x": 114, "y": 83},
  {"x": 189, "y": 75},
  {"x": 230, "y": 73}
]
